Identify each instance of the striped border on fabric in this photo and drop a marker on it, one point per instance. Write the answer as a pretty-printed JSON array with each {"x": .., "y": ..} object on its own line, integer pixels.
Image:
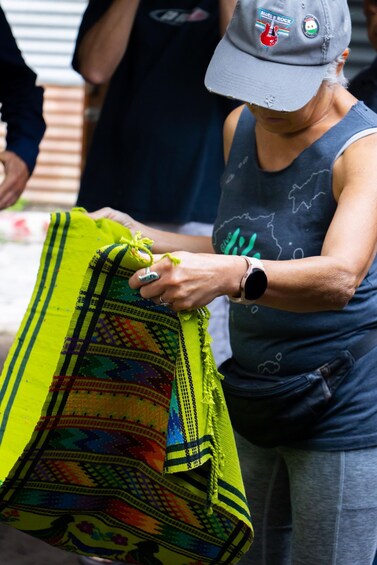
[
  {"x": 42, "y": 295},
  {"x": 56, "y": 401},
  {"x": 90, "y": 479}
]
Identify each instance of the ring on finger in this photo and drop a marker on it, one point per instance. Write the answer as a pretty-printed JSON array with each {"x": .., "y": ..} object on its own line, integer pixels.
[
  {"x": 163, "y": 302},
  {"x": 149, "y": 276}
]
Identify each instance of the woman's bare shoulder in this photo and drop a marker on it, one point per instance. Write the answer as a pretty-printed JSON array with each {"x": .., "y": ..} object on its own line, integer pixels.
[{"x": 230, "y": 125}]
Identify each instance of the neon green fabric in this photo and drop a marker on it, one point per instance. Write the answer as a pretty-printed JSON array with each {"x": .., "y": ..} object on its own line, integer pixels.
[
  {"x": 115, "y": 437},
  {"x": 35, "y": 352}
]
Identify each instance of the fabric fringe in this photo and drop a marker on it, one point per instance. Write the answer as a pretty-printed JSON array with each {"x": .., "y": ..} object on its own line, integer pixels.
[{"x": 212, "y": 398}]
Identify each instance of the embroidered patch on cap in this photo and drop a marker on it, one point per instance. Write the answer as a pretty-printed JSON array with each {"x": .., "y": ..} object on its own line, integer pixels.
[
  {"x": 273, "y": 26},
  {"x": 310, "y": 26}
]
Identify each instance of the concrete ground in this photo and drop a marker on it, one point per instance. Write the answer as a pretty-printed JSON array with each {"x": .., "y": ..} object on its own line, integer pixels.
[
  {"x": 21, "y": 237},
  {"x": 17, "y": 548}
]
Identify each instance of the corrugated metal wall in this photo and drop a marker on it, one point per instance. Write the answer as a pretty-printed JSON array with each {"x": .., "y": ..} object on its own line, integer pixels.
[
  {"x": 46, "y": 31},
  {"x": 57, "y": 175}
]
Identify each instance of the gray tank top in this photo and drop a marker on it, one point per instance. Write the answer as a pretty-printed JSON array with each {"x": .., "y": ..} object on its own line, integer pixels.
[
  {"x": 285, "y": 215},
  {"x": 280, "y": 216}
]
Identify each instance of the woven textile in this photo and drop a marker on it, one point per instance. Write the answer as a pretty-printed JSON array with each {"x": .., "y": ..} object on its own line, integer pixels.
[{"x": 114, "y": 436}]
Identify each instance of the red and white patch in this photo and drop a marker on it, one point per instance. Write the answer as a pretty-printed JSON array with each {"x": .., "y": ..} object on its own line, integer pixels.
[{"x": 273, "y": 26}]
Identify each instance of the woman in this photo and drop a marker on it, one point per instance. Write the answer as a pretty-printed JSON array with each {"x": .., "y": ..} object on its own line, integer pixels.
[{"x": 299, "y": 198}]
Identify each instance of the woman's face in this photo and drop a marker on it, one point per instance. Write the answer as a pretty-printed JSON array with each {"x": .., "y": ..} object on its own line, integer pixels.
[{"x": 293, "y": 122}]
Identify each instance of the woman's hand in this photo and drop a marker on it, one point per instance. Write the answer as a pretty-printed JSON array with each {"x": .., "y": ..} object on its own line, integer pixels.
[
  {"x": 195, "y": 281},
  {"x": 120, "y": 217}
]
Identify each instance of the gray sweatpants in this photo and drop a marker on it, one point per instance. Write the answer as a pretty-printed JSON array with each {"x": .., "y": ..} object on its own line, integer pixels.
[{"x": 310, "y": 507}]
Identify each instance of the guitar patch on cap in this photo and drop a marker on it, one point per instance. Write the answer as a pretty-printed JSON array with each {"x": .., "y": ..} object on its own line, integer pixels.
[
  {"x": 273, "y": 26},
  {"x": 310, "y": 26}
]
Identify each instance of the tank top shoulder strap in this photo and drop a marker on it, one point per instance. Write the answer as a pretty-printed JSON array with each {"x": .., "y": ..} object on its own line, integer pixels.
[
  {"x": 359, "y": 119},
  {"x": 244, "y": 136}
]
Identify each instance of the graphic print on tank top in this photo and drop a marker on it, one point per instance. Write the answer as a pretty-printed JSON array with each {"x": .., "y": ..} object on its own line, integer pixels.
[
  {"x": 266, "y": 235},
  {"x": 285, "y": 214}
]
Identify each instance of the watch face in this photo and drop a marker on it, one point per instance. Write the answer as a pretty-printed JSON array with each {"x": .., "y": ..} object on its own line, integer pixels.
[{"x": 255, "y": 285}]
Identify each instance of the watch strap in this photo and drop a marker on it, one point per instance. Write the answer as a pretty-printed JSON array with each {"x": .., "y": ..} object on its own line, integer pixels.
[{"x": 252, "y": 263}]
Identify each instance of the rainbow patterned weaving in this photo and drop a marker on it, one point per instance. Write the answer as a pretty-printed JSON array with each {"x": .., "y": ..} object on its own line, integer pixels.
[{"x": 115, "y": 440}]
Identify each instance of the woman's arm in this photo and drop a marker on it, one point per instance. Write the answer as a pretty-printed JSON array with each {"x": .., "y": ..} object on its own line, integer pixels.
[
  {"x": 329, "y": 281},
  {"x": 104, "y": 44},
  {"x": 326, "y": 282},
  {"x": 164, "y": 242}
]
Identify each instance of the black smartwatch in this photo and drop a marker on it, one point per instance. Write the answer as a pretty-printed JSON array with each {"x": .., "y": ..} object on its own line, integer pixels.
[{"x": 253, "y": 283}]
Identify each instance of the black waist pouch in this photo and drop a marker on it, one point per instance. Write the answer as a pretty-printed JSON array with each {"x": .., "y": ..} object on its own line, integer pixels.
[{"x": 272, "y": 410}]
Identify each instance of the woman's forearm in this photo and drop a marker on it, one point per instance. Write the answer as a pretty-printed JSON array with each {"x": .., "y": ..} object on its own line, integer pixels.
[
  {"x": 163, "y": 241},
  {"x": 309, "y": 285},
  {"x": 168, "y": 242}
]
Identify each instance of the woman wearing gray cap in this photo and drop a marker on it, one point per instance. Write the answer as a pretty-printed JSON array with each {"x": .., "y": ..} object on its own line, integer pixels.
[{"x": 294, "y": 246}]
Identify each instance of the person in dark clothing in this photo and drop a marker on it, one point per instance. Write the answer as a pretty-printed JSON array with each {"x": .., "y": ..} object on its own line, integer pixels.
[
  {"x": 22, "y": 110},
  {"x": 151, "y": 156},
  {"x": 157, "y": 150},
  {"x": 364, "y": 84}
]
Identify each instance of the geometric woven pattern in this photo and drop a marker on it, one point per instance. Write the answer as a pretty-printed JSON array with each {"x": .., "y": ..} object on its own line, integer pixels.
[{"x": 95, "y": 478}]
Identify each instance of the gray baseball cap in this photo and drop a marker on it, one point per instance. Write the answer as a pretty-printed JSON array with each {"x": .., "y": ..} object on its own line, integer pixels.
[{"x": 275, "y": 53}]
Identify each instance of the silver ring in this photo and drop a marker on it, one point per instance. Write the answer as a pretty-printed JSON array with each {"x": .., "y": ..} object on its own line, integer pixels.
[
  {"x": 163, "y": 303},
  {"x": 149, "y": 276}
]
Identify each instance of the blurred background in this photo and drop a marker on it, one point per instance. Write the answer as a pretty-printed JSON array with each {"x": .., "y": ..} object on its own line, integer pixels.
[{"x": 46, "y": 31}]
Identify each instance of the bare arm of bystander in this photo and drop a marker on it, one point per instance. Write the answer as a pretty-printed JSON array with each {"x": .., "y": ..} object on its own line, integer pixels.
[
  {"x": 104, "y": 44},
  {"x": 226, "y": 13}
]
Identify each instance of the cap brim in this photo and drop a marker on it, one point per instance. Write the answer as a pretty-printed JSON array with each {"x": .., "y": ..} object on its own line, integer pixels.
[{"x": 281, "y": 87}]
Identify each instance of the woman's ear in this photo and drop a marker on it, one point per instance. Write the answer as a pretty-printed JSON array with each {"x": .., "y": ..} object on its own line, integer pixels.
[{"x": 345, "y": 54}]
